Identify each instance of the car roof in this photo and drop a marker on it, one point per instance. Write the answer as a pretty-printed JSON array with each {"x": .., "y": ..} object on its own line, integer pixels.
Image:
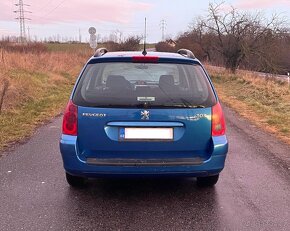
[
  {"x": 121, "y": 55},
  {"x": 139, "y": 53}
]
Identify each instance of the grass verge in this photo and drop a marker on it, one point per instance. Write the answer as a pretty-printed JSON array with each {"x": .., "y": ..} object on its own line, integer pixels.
[
  {"x": 20, "y": 123},
  {"x": 39, "y": 87},
  {"x": 265, "y": 102}
]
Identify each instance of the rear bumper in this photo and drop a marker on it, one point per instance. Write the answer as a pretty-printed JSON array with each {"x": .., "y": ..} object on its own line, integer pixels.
[{"x": 176, "y": 167}]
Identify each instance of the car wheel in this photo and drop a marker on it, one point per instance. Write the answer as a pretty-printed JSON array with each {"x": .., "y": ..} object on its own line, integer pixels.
[
  {"x": 75, "y": 181},
  {"x": 207, "y": 181}
]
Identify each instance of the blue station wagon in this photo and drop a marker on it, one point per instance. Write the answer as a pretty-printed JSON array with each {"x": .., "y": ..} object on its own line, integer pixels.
[{"x": 138, "y": 114}]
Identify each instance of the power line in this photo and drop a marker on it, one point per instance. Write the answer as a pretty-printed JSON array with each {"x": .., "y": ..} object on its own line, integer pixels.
[
  {"x": 54, "y": 9},
  {"x": 45, "y": 5},
  {"x": 22, "y": 19}
]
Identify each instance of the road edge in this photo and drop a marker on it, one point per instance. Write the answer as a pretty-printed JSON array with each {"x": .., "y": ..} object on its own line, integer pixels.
[{"x": 276, "y": 146}]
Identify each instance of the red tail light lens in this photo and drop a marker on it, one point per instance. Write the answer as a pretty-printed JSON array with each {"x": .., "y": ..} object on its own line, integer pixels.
[
  {"x": 218, "y": 125},
  {"x": 145, "y": 59},
  {"x": 70, "y": 120}
]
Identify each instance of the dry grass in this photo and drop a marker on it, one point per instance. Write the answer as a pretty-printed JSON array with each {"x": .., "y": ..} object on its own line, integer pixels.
[
  {"x": 40, "y": 83},
  {"x": 264, "y": 101},
  {"x": 39, "y": 87}
]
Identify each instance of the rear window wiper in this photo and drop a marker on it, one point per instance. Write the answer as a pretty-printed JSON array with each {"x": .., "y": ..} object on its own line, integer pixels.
[
  {"x": 188, "y": 106},
  {"x": 146, "y": 106},
  {"x": 199, "y": 106},
  {"x": 176, "y": 106}
]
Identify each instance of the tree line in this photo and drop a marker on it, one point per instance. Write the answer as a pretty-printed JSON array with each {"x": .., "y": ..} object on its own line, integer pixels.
[{"x": 236, "y": 39}]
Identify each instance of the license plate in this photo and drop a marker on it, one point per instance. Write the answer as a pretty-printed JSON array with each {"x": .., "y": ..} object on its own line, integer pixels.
[{"x": 165, "y": 134}]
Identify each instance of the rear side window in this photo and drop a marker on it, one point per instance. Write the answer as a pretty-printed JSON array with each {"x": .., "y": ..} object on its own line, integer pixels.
[{"x": 155, "y": 85}]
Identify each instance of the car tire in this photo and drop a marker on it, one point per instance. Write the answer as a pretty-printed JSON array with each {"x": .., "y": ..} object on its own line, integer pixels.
[
  {"x": 75, "y": 181},
  {"x": 207, "y": 181}
]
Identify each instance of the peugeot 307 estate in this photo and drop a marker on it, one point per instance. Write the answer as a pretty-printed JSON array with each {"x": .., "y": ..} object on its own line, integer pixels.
[{"x": 143, "y": 114}]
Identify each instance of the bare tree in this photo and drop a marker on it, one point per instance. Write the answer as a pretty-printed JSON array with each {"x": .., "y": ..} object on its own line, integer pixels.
[
  {"x": 204, "y": 38},
  {"x": 164, "y": 47},
  {"x": 132, "y": 43},
  {"x": 238, "y": 35}
]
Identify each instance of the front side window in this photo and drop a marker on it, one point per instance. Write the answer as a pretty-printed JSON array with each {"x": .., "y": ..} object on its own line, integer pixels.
[{"x": 144, "y": 85}]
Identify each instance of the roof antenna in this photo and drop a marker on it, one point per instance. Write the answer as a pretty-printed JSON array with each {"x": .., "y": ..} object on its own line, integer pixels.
[{"x": 144, "y": 51}]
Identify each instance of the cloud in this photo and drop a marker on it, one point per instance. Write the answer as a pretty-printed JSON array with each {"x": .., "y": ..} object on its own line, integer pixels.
[
  {"x": 117, "y": 11},
  {"x": 258, "y": 4}
]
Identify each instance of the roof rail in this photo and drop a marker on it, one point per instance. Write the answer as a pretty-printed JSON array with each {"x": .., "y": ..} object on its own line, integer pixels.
[
  {"x": 186, "y": 53},
  {"x": 100, "y": 52}
]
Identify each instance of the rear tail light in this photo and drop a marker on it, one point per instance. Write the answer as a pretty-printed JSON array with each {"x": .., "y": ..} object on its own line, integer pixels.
[
  {"x": 145, "y": 59},
  {"x": 70, "y": 120},
  {"x": 218, "y": 125}
]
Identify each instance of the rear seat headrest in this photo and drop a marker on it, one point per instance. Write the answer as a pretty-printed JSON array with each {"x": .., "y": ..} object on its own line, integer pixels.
[
  {"x": 166, "y": 81},
  {"x": 117, "y": 82}
]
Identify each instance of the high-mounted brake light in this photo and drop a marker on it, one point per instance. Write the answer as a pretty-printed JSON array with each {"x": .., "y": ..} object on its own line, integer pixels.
[
  {"x": 218, "y": 125},
  {"x": 145, "y": 59},
  {"x": 70, "y": 120}
]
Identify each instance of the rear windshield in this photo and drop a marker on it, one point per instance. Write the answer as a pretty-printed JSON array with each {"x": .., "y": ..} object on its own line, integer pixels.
[{"x": 150, "y": 85}]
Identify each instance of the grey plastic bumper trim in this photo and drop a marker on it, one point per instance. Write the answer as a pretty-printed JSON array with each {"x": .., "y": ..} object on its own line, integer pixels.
[{"x": 145, "y": 162}]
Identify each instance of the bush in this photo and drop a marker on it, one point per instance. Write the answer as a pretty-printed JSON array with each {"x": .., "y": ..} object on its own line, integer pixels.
[
  {"x": 111, "y": 46},
  {"x": 164, "y": 47},
  {"x": 130, "y": 44}
]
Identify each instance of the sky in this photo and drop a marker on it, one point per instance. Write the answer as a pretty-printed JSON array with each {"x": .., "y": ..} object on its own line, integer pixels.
[{"x": 69, "y": 18}]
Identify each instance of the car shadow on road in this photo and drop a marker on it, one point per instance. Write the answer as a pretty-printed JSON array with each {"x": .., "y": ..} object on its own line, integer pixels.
[
  {"x": 172, "y": 204},
  {"x": 116, "y": 188}
]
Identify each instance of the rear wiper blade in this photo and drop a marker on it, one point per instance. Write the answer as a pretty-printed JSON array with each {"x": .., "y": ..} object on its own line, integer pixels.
[
  {"x": 147, "y": 105},
  {"x": 179, "y": 106},
  {"x": 199, "y": 106},
  {"x": 188, "y": 106}
]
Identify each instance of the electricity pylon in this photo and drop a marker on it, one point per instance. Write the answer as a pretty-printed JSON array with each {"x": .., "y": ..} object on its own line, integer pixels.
[{"x": 21, "y": 17}]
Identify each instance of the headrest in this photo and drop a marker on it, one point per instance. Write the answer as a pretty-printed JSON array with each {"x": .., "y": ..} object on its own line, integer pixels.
[
  {"x": 166, "y": 81},
  {"x": 117, "y": 82}
]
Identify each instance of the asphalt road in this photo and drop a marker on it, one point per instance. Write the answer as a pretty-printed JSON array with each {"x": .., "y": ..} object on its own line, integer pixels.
[
  {"x": 253, "y": 192},
  {"x": 284, "y": 78}
]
